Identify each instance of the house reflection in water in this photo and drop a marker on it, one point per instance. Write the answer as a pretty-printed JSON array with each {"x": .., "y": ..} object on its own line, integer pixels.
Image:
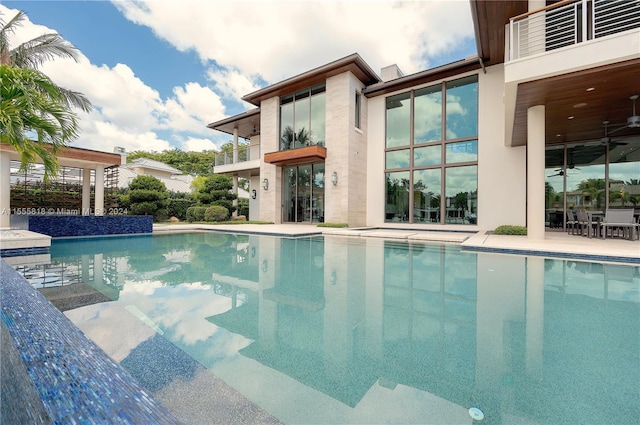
[{"x": 521, "y": 336}]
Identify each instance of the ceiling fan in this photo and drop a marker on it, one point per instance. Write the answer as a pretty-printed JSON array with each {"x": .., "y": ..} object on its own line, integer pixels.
[
  {"x": 607, "y": 140},
  {"x": 632, "y": 122}
]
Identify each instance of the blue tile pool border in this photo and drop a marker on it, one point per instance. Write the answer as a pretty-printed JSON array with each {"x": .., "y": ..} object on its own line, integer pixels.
[
  {"x": 15, "y": 252},
  {"x": 76, "y": 381}
]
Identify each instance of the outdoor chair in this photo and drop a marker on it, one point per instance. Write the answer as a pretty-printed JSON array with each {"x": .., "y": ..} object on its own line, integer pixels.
[
  {"x": 572, "y": 222},
  {"x": 619, "y": 220}
]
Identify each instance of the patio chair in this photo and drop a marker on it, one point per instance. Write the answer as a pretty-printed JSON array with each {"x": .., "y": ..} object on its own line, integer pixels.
[
  {"x": 572, "y": 222},
  {"x": 619, "y": 220}
]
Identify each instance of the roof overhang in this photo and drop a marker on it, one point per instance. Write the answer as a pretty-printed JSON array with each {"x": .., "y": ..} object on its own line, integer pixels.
[
  {"x": 247, "y": 123},
  {"x": 577, "y": 103},
  {"x": 423, "y": 77},
  {"x": 353, "y": 63},
  {"x": 73, "y": 157},
  {"x": 490, "y": 18},
  {"x": 299, "y": 156}
]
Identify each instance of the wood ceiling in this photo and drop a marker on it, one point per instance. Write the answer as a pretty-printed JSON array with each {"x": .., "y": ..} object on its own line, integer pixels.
[{"x": 590, "y": 97}]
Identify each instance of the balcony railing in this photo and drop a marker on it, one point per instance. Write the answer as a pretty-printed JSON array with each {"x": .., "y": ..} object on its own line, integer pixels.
[
  {"x": 568, "y": 23},
  {"x": 242, "y": 154}
]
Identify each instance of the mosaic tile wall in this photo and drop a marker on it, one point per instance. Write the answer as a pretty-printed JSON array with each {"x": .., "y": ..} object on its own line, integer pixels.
[
  {"x": 75, "y": 380},
  {"x": 89, "y": 225}
]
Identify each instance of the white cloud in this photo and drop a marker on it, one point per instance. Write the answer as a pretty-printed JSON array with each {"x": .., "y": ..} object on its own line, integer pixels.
[
  {"x": 198, "y": 145},
  {"x": 282, "y": 38},
  {"x": 127, "y": 112},
  {"x": 231, "y": 83}
]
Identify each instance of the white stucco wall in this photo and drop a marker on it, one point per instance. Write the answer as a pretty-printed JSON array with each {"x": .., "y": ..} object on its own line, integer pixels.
[{"x": 501, "y": 169}]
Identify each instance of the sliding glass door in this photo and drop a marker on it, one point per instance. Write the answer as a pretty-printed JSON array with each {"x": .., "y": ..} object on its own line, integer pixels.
[{"x": 303, "y": 194}]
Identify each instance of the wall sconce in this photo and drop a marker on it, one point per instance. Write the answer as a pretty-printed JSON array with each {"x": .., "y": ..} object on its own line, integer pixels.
[
  {"x": 265, "y": 184},
  {"x": 334, "y": 277},
  {"x": 254, "y": 194},
  {"x": 265, "y": 266},
  {"x": 334, "y": 178}
]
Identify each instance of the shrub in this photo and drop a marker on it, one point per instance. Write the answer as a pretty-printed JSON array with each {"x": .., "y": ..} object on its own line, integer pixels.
[
  {"x": 178, "y": 207},
  {"x": 216, "y": 213},
  {"x": 226, "y": 204},
  {"x": 243, "y": 207},
  {"x": 195, "y": 214},
  {"x": 511, "y": 230},
  {"x": 333, "y": 225}
]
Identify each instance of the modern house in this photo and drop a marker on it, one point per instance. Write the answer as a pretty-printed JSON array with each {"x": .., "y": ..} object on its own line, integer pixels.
[{"x": 547, "y": 107}]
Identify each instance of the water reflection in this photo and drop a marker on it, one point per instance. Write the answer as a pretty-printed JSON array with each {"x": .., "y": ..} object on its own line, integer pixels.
[{"x": 365, "y": 330}]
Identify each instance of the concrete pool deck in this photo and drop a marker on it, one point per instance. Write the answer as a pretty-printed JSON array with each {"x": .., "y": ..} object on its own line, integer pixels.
[{"x": 555, "y": 243}]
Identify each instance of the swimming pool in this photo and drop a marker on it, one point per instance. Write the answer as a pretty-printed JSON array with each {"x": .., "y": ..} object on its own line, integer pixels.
[{"x": 358, "y": 330}]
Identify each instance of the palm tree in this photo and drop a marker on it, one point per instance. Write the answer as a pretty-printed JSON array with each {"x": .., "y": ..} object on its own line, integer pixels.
[
  {"x": 31, "y": 104},
  {"x": 35, "y": 52}
]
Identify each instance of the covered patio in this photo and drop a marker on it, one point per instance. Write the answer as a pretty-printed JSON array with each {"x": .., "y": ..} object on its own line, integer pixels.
[{"x": 92, "y": 167}]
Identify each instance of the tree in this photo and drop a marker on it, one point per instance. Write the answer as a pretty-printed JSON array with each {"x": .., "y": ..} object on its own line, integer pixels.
[
  {"x": 148, "y": 196},
  {"x": 595, "y": 188},
  {"x": 217, "y": 191},
  {"x": 31, "y": 105},
  {"x": 35, "y": 52}
]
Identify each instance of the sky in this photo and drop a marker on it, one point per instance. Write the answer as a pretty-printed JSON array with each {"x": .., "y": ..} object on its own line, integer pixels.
[{"x": 157, "y": 72}]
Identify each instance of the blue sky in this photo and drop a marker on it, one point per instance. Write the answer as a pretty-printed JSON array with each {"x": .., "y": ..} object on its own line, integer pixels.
[{"x": 157, "y": 72}]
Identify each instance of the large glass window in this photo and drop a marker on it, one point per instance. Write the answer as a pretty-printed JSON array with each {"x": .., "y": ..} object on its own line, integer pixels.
[
  {"x": 302, "y": 118},
  {"x": 398, "y": 120},
  {"x": 397, "y": 207},
  {"x": 579, "y": 177},
  {"x": 423, "y": 163}
]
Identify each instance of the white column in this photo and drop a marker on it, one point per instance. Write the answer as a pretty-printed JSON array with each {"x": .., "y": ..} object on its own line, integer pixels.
[
  {"x": 535, "y": 171},
  {"x": 235, "y": 190},
  {"x": 99, "y": 192},
  {"x": 534, "y": 319},
  {"x": 86, "y": 191},
  {"x": 5, "y": 189},
  {"x": 235, "y": 145}
]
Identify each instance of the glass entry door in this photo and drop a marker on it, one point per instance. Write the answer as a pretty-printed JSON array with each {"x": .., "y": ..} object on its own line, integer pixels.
[{"x": 303, "y": 194}]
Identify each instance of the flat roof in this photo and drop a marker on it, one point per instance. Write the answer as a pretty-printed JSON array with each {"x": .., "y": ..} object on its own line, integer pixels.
[
  {"x": 353, "y": 63},
  {"x": 72, "y": 156}
]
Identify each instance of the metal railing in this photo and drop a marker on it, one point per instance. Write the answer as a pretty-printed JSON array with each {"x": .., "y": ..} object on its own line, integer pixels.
[
  {"x": 568, "y": 23},
  {"x": 242, "y": 154}
]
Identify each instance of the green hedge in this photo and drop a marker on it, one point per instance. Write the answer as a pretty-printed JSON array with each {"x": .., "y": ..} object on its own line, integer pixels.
[
  {"x": 195, "y": 214},
  {"x": 510, "y": 230},
  {"x": 333, "y": 225},
  {"x": 216, "y": 213}
]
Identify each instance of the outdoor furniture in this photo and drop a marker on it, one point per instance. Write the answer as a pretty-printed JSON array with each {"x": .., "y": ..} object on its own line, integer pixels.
[
  {"x": 585, "y": 223},
  {"x": 619, "y": 220},
  {"x": 572, "y": 222}
]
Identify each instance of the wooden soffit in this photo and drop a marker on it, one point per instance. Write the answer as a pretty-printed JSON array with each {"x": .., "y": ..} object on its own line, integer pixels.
[
  {"x": 72, "y": 156},
  {"x": 299, "y": 156}
]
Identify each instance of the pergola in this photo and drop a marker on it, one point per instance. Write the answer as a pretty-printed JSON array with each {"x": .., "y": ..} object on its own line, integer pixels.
[{"x": 85, "y": 159}]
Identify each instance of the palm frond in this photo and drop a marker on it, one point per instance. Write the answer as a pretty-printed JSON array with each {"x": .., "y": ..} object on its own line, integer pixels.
[{"x": 35, "y": 52}]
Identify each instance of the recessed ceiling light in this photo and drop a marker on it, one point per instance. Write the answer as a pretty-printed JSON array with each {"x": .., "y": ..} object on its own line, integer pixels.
[
  {"x": 571, "y": 117},
  {"x": 558, "y": 135},
  {"x": 580, "y": 105},
  {"x": 591, "y": 89}
]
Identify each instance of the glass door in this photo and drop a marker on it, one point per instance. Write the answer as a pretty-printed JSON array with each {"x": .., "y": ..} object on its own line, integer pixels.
[{"x": 303, "y": 194}]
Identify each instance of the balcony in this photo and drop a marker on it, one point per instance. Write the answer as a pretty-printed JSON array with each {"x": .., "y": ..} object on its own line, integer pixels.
[
  {"x": 241, "y": 159},
  {"x": 569, "y": 23}
]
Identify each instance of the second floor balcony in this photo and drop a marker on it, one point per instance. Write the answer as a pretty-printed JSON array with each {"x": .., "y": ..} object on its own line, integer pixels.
[
  {"x": 569, "y": 23},
  {"x": 242, "y": 158}
]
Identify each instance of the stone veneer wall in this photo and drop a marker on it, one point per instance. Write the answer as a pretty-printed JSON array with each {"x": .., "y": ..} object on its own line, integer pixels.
[
  {"x": 89, "y": 225},
  {"x": 69, "y": 379}
]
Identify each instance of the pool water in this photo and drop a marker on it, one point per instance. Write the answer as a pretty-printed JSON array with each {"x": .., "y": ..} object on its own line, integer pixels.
[{"x": 330, "y": 330}]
